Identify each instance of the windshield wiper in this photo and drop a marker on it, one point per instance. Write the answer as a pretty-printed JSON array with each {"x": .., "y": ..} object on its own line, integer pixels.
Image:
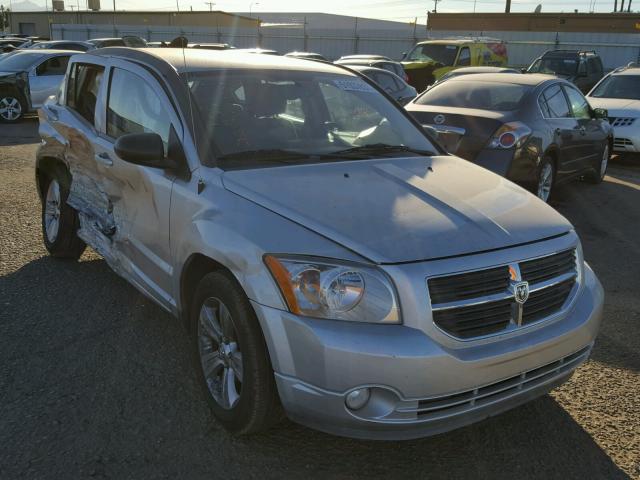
[{"x": 381, "y": 148}]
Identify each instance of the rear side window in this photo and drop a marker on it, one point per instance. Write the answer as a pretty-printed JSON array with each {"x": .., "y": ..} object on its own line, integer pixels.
[
  {"x": 82, "y": 89},
  {"x": 53, "y": 66},
  {"x": 386, "y": 81},
  {"x": 594, "y": 65},
  {"x": 134, "y": 107},
  {"x": 464, "y": 60},
  {"x": 556, "y": 103}
]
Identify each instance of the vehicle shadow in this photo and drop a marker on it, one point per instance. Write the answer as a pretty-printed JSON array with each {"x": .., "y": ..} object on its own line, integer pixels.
[
  {"x": 607, "y": 219},
  {"x": 21, "y": 133},
  {"x": 96, "y": 359}
]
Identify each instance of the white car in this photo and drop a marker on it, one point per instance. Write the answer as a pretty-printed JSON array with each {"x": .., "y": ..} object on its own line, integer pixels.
[{"x": 619, "y": 94}]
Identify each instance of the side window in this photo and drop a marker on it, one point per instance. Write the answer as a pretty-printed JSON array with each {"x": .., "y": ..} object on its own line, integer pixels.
[
  {"x": 386, "y": 81},
  {"x": 579, "y": 105},
  {"x": 53, "y": 66},
  {"x": 464, "y": 59},
  {"x": 556, "y": 102},
  {"x": 83, "y": 86},
  {"x": 134, "y": 107},
  {"x": 544, "y": 107}
]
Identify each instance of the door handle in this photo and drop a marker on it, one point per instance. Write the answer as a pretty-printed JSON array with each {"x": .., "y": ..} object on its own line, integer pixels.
[
  {"x": 558, "y": 131},
  {"x": 583, "y": 131},
  {"x": 104, "y": 159}
]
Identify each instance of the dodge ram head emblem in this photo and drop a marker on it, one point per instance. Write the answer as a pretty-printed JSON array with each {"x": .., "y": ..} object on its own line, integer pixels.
[
  {"x": 438, "y": 119},
  {"x": 521, "y": 292}
]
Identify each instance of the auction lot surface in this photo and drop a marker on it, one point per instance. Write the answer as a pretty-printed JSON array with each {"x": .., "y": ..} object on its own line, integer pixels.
[{"x": 95, "y": 380}]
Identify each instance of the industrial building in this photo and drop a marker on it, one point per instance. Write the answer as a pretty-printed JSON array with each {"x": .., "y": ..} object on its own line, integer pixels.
[{"x": 38, "y": 23}]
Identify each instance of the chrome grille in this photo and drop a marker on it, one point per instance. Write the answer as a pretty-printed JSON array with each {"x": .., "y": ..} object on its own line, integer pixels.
[
  {"x": 621, "y": 121},
  {"x": 483, "y": 302},
  {"x": 622, "y": 142}
]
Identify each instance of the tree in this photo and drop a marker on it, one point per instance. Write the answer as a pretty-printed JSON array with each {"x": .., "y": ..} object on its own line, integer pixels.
[{"x": 4, "y": 17}]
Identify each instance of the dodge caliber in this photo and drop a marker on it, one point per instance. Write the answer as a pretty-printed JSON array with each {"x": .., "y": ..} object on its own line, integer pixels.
[{"x": 330, "y": 262}]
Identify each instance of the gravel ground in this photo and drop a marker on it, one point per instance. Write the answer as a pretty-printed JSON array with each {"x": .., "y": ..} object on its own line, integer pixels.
[{"x": 95, "y": 380}]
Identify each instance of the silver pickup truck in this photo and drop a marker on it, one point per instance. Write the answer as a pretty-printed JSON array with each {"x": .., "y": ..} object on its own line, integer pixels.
[{"x": 328, "y": 259}]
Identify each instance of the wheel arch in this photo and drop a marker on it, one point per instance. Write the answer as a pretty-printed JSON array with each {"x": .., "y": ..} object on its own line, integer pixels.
[
  {"x": 195, "y": 267},
  {"x": 47, "y": 165}
]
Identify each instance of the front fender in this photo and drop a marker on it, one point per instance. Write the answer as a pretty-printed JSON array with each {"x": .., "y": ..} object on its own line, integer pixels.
[{"x": 236, "y": 233}]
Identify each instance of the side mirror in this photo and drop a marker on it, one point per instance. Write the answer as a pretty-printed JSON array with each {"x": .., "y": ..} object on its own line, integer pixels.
[
  {"x": 146, "y": 149},
  {"x": 601, "y": 113},
  {"x": 404, "y": 55},
  {"x": 523, "y": 70}
]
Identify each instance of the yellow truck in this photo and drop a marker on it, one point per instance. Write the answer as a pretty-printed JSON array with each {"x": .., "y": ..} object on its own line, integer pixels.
[{"x": 429, "y": 60}]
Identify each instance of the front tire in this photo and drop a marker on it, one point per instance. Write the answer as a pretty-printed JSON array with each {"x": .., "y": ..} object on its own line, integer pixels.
[
  {"x": 600, "y": 170},
  {"x": 12, "y": 108},
  {"x": 231, "y": 357},
  {"x": 60, "y": 221}
]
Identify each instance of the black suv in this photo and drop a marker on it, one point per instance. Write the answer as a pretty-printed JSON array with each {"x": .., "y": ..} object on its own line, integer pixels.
[{"x": 583, "y": 68}]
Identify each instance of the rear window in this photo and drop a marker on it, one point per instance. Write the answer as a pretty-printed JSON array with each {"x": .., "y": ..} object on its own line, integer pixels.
[
  {"x": 618, "y": 86},
  {"x": 19, "y": 62},
  {"x": 481, "y": 95}
]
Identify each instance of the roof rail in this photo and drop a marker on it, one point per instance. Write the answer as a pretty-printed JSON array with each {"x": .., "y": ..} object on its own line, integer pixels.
[
  {"x": 579, "y": 52},
  {"x": 469, "y": 39}
]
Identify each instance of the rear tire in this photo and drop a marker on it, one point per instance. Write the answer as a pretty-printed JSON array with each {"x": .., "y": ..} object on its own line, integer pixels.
[
  {"x": 600, "y": 170},
  {"x": 231, "y": 358},
  {"x": 60, "y": 221},
  {"x": 546, "y": 179}
]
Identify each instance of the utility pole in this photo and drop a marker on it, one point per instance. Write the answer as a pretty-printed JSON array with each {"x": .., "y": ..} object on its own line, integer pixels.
[
  {"x": 435, "y": 5},
  {"x": 211, "y": 4}
]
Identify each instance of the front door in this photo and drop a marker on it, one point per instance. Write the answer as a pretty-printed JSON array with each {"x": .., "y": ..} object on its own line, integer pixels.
[
  {"x": 566, "y": 131},
  {"x": 140, "y": 195},
  {"x": 592, "y": 137},
  {"x": 45, "y": 79}
]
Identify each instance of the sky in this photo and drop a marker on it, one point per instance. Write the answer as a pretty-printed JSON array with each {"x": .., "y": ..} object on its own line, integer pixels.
[{"x": 398, "y": 10}]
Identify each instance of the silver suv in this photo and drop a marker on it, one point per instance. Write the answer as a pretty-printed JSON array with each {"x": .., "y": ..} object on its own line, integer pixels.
[{"x": 328, "y": 259}]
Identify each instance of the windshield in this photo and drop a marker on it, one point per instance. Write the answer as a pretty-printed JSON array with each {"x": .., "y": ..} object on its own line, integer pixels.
[
  {"x": 444, "y": 54},
  {"x": 19, "y": 62},
  {"x": 481, "y": 95},
  {"x": 557, "y": 66},
  {"x": 618, "y": 86},
  {"x": 260, "y": 116}
]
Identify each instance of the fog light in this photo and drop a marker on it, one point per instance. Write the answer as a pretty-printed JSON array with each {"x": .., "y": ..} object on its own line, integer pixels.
[{"x": 356, "y": 399}]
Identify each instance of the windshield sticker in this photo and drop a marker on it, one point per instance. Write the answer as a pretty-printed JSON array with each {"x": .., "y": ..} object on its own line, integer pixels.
[{"x": 353, "y": 85}]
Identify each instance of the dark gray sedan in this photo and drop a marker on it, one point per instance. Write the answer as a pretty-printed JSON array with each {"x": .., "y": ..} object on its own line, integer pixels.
[
  {"x": 395, "y": 86},
  {"x": 536, "y": 130}
]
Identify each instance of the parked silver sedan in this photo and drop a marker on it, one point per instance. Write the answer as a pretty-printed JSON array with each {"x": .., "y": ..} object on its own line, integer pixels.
[
  {"x": 28, "y": 78},
  {"x": 325, "y": 255}
]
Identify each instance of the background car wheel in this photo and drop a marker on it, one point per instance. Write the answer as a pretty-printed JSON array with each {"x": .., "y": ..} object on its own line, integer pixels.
[
  {"x": 546, "y": 179},
  {"x": 600, "y": 170},
  {"x": 60, "y": 222},
  {"x": 11, "y": 108},
  {"x": 231, "y": 356}
]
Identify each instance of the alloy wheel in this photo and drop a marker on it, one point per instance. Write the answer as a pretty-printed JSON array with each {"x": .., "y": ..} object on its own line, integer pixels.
[
  {"x": 545, "y": 182},
  {"x": 10, "y": 108},
  {"x": 219, "y": 352},
  {"x": 52, "y": 211}
]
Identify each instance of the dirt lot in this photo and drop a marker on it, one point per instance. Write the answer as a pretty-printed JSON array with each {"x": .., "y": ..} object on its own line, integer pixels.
[{"x": 95, "y": 380}]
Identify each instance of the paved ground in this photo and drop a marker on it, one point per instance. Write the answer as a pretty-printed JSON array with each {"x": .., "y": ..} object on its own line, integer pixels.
[{"x": 95, "y": 380}]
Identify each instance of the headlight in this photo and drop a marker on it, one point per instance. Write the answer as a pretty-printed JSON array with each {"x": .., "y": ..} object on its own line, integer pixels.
[{"x": 321, "y": 289}]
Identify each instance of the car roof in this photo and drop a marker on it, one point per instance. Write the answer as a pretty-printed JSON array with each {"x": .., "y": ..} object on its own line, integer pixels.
[
  {"x": 531, "y": 79},
  {"x": 485, "y": 69},
  {"x": 190, "y": 60},
  {"x": 459, "y": 41},
  {"x": 362, "y": 61},
  {"x": 81, "y": 42},
  {"x": 569, "y": 53},
  {"x": 45, "y": 51},
  {"x": 627, "y": 71}
]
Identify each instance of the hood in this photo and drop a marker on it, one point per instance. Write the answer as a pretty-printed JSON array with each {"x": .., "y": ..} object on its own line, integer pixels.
[
  {"x": 617, "y": 107},
  {"x": 402, "y": 210}
]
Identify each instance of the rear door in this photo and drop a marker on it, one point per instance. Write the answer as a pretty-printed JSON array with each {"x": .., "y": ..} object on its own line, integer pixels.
[
  {"x": 46, "y": 77},
  {"x": 591, "y": 139},
  {"x": 140, "y": 196},
  {"x": 566, "y": 134}
]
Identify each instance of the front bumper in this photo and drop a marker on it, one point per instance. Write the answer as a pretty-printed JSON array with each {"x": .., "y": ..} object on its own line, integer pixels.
[
  {"x": 420, "y": 386},
  {"x": 626, "y": 139}
]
